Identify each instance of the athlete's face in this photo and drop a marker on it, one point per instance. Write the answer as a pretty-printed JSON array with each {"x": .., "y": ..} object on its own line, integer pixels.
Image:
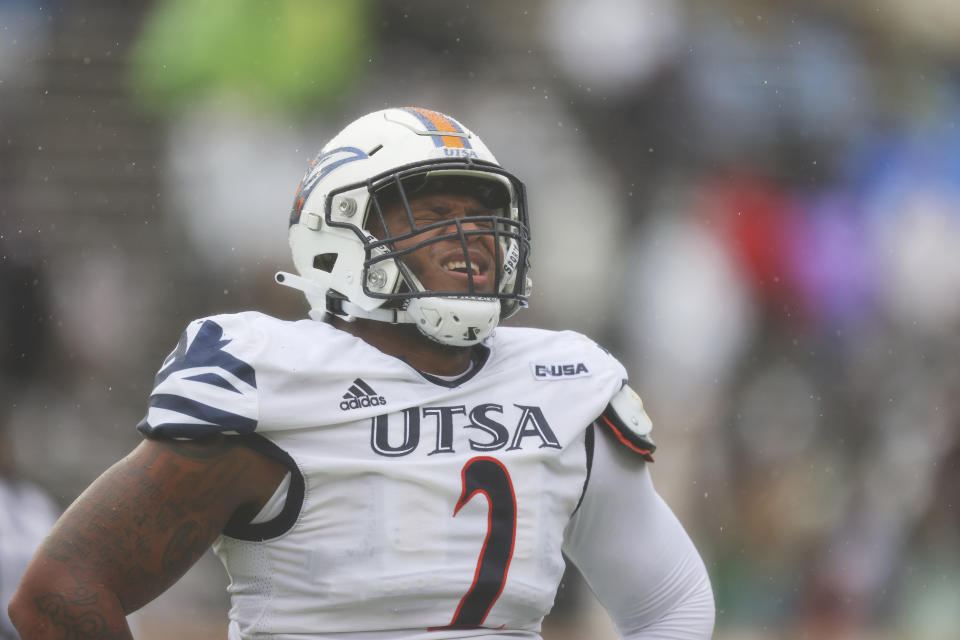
[{"x": 442, "y": 265}]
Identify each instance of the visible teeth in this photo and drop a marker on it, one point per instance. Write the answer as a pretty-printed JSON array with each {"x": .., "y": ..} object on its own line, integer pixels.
[{"x": 454, "y": 265}]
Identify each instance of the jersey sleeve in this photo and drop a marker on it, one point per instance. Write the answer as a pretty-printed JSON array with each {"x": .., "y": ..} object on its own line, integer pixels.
[
  {"x": 634, "y": 553},
  {"x": 208, "y": 384}
]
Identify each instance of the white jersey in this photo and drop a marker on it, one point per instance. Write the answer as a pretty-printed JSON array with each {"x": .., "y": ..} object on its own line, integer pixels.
[{"x": 419, "y": 504}]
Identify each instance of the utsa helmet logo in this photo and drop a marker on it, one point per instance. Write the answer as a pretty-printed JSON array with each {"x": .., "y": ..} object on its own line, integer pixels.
[{"x": 448, "y": 152}]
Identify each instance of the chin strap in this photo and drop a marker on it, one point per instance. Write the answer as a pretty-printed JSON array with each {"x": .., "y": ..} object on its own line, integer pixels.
[
  {"x": 346, "y": 309},
  {"x": 458, "y": 322},
  {"x": 392, "y": 316}
]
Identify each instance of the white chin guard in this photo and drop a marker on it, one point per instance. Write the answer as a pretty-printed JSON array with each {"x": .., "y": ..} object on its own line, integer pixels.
[{"x": 458, "y": 322}]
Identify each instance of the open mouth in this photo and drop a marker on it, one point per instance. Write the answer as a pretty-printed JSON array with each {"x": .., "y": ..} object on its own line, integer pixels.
[
  {"x": 477, "y": 267},
  {"x": 460, "y": 266}
]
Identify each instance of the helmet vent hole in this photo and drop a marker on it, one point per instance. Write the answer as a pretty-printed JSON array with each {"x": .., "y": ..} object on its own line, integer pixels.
[
  {"x": 324, "y": 261},
  {"x": 375, "y": 149}
]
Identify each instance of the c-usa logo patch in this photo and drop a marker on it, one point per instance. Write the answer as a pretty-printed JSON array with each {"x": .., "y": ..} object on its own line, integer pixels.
[{"x": 559, "y": 370}]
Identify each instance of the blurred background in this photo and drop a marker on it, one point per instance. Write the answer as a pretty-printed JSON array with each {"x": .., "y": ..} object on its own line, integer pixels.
[{"x": 755, "y": 205}]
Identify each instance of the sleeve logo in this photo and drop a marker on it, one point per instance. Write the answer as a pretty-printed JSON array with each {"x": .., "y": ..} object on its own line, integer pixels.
[
  {"x": 202, "y": 386},
  {"x": 558, "y": 370}
]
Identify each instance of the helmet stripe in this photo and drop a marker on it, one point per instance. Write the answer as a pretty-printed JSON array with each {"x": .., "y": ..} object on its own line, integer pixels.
[{"x": 435, "y": 121}]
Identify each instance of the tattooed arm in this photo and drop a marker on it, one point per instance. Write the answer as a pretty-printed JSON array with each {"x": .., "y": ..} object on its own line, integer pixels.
[{"x": 134, "y": 532}]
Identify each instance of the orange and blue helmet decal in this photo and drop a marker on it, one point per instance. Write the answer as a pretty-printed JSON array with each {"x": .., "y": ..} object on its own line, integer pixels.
[
  {"x": 440, "y": 123},
  {"x": 320, "y": 166}
]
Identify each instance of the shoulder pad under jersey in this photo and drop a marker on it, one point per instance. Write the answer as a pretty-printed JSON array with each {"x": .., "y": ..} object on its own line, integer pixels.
[{"x": 626, "y": 419}]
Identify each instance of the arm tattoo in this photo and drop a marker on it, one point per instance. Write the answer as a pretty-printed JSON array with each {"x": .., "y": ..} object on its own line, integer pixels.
[
  {"x": 75, "y": 617},
  {"x": 137, "y": 529},
  {"x": 87, "y": 625}
]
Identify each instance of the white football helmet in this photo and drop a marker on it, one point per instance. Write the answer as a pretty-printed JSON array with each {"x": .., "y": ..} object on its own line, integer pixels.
[{"x": 389, "y": 156}]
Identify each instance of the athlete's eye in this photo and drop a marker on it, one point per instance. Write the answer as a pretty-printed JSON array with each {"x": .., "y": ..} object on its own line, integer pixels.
[{"x": 424, "y": 217}]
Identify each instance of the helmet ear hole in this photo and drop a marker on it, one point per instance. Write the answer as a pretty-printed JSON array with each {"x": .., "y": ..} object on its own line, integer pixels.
[{"x": 325, "y": 261}]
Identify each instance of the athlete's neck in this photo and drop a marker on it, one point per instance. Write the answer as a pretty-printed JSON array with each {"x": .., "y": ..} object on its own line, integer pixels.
[{"x": 405, "y": 341}]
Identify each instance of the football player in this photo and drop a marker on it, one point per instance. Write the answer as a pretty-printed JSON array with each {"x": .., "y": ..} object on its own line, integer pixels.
[{"x": 397, "y": 466}]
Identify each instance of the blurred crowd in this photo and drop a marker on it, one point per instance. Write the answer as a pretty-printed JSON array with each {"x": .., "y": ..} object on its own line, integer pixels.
[{"x": 756, "y": 205}]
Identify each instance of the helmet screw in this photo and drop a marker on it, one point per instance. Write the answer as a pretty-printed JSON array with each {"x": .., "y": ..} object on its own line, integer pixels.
[
  {"x": 377, "y": 279},
  {"x": 347, "y": 207}
]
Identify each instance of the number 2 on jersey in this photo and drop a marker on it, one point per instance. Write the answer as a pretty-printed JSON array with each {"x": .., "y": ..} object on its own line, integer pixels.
[{"x": 487, "y": 476}]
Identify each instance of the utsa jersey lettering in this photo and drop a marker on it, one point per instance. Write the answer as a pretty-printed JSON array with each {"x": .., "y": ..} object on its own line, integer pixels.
[{"x": 415, "y": 503}]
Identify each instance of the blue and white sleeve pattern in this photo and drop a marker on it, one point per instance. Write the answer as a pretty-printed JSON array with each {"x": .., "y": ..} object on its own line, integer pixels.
[{"x": 206, "y": 386}]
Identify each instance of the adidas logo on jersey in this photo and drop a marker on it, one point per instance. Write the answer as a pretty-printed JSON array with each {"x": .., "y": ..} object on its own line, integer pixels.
[{"x": 361, "y": 395}]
